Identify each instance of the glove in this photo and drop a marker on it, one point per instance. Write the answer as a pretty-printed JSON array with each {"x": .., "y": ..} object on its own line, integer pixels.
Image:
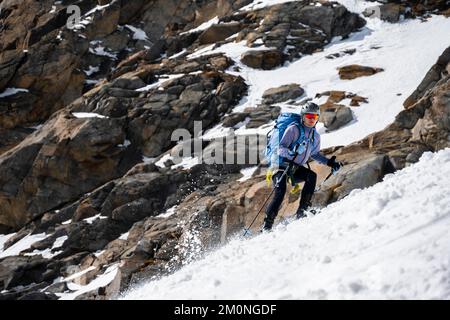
[
  {"x": 335, "y": 166},
  {"x": 295, "y": 189},
  {"x": 269, "y": 175}
]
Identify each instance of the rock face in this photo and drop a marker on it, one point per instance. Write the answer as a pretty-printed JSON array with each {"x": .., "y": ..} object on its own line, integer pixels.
[
  {"x": 69, "y": 157},
  {"x": 283, "y": 93},
  {"x": 56, "y": 165},
  {"x": 292, "y": 29},
  {"x": 219, "y": 32},
  {"x": 261, "y": 115},
  {"x": 71, "y": 177},
  {"x": 63, "y": 160},
  {"x": 57, "y": 64},
  {"x": 336, "y": 116}
]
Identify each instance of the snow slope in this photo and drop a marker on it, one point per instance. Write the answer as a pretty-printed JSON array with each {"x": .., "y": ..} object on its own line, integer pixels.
[{"x": 389, "y": 241}]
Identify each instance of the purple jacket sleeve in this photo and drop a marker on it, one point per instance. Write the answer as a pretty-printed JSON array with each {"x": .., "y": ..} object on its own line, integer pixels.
[
  {"x": 315, "y": 153},
  {"x": 289, "y": 136}
]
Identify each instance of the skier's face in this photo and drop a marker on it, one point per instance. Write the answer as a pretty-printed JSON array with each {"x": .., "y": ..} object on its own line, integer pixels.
[{"x": 310, "y": 119}]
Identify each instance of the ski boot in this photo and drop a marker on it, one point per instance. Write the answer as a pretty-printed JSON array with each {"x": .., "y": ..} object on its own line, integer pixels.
[
  {"x": 268, "y": 223},
  {"x": 305, "y": 203}
]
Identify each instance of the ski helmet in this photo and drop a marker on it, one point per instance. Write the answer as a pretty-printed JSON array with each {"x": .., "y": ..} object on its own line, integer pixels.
[{"x": 310, "y": 107}]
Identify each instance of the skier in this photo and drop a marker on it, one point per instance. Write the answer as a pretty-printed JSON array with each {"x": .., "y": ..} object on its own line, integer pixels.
[{"x": 298, "y": 143}]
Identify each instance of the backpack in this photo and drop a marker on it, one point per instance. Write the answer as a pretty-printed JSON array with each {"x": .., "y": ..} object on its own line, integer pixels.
[{"x": 274, "y": 136}]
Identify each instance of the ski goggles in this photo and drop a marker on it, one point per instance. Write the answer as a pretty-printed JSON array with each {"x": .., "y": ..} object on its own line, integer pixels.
[{"x": 311, "y": 116}]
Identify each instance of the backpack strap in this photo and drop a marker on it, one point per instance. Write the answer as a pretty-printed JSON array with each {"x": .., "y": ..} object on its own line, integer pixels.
[{"x": 301, "y": 134}]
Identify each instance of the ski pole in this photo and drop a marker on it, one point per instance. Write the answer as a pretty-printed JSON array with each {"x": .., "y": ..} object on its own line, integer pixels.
[
  {"x": 320, "y": 186},
  {"x": 273, "y": 189}
]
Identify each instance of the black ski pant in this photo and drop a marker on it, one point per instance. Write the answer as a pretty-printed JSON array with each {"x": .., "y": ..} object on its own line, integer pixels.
[{"x": 301, "y": 174}]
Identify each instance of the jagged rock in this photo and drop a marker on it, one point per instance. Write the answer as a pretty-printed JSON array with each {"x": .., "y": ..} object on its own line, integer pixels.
[
  {"x": 220, "y": 62},
  {"x": 337, "y": 96},
  {"x": 327, "y": 17},
  {"x": 64, "y": 159},
  {"x": 333, "y": 96},
  {"x": 172, "y": 45},
  {"x": 128, "y": 83},
  {"x": 186, "y": 148},
  {"x": 336, "y": 116},
  {"x": 263, "y": 59},
  {"x": 10, "y": 138},
  {"x": 133, "y": 211},
  {"x": 95, "y": 147},
  {"x": 167, "y": 251},
  {"x": 261, "y": 115},
  {"x": 234, "y": 119},
  {"x": 433, "y": 127},
  {"x": 149, "y": 241},
  {"x": 9, "y": 62},
  {"x": 122, "y": 93},
  {"x": 61, "y": 85},
  {"x": 283, "y": 93},
  {"x": 354, "y": 175},
  {"x": 68, "y": 157},
  {"x": 293, "y": 29},
  {"x": 50, "y": 219},
  {"x": 20, "y": 18},
  {"x": 197, "y": 101},
  {"x": 48, "y": 60},
  {"x": 16, "y": 109},
  {"x": 356, "y": 100},
  {"x": 17, "y": 237},
  {"x": 407, "y": 119},
  {"x": 92, "y": 237},
  {"x": 57, "y": 287},
  {"x": 219, "y": 32},
  {"x": 17, "y": 292},
  {"x": 233, "y": 221},
  {"x": 241, "y": 150},
  {"x": 22, "y": 270},
  {"x": 354, "y": 71},
  {"x": 84, "y": 210},
  {"x": 129, "y": 201},
  {"x": 105, "y": 21}
]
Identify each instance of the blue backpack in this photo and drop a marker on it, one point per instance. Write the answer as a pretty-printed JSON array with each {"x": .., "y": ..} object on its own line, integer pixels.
[{"x": 274, "y": 136}]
